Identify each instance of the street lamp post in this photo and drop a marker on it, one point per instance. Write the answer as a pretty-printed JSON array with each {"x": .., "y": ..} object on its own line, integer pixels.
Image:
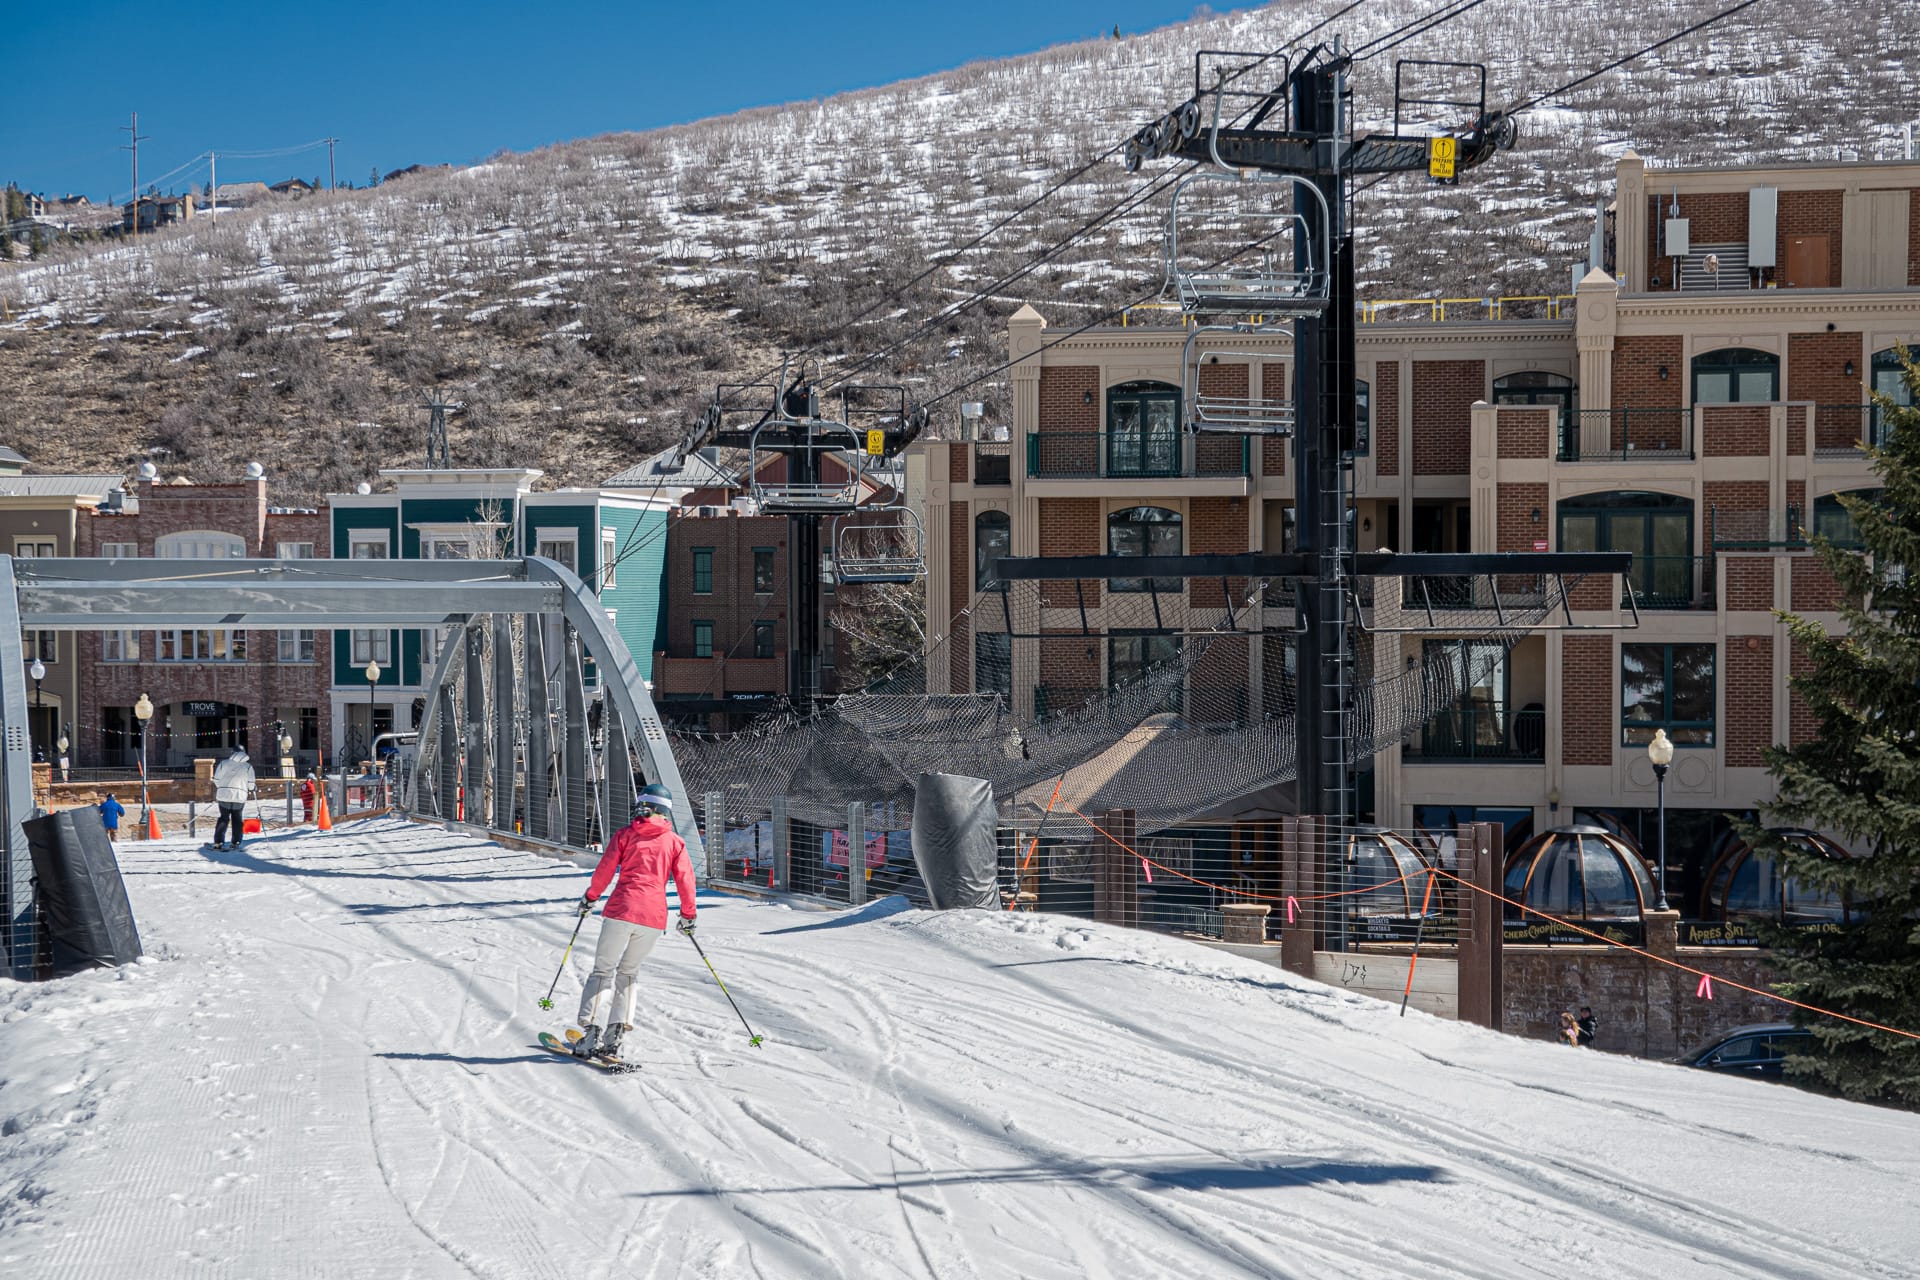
[
  {"x": 1660, "y": 753},
  {"x": 373, "y": 682},
  {"x": 39, "y": 672},
  {"x": 143, "y": 712}
]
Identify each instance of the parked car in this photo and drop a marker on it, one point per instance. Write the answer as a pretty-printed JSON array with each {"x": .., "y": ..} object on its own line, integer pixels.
[{"x": 1759, "y": 1050}]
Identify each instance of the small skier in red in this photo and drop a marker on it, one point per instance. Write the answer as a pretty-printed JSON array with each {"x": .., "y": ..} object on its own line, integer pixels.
[{"x": 643, "y": 855}]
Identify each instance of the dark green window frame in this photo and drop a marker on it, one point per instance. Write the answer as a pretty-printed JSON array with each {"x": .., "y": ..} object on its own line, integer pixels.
[
  {"x": 1144, "y": 437},
  {"x": 763, "y": 640},
  {"x": 763, "y": 571},
  {"x": 993, "y": 663},
  {"x": 1145, "y": 531},
  {"x": 1741, "y": 368},
  {"x": 1834, "y": 522},
  {"x": 1657, "y": 528},
  {"x": 1888, "y": 379},
  {"x": 1538, "y": 387},
  {"x": 992, "y": 540},
  {"x": 703, "y": 571},
  {"x": 702, "y": 638},
  {"x": 1665, "y": 708}
]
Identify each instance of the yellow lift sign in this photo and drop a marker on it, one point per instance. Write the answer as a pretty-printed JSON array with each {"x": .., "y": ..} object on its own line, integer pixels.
[
  {"x": 1440, "y": 155},
  {"x": 876, "y": 443}
]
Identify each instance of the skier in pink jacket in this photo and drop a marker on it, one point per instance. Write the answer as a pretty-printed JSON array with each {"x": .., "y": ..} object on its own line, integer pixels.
[{"x": 642, "y": 855}]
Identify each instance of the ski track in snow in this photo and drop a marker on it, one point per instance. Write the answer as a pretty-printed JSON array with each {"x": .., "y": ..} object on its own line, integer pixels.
[{"x": 327, "y": 1066}]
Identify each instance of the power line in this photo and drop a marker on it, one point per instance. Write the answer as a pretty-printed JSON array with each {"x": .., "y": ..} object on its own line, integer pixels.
[
  {"x": 1638, "y": 53},
  {"x": 1123, "y": 205}
]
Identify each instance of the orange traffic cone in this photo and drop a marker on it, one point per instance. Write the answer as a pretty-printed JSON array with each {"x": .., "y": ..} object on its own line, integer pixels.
[
  {"x": 153, "y": 824},
  {"x": 321, "y": 817}
]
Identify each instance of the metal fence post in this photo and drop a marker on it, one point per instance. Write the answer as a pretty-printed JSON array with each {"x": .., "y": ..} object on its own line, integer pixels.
[
  {"x": 712, "y": 808},
  {"x": 193, "y": 818},
  {"x": 856, "y": 853},
  {"x": 781, "y": 843}
]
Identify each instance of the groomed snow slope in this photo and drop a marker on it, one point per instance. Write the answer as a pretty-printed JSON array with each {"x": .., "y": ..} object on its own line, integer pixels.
[{"x": 325, "y": 1067}]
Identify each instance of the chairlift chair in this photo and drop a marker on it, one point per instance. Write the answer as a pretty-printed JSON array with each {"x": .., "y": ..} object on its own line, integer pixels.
[
  {"x": 825, "y": 496},
  {"x": 1262, "y": 288},
  {"x": 880, "y": 544},
  {"x": 1261, "y": 415}
]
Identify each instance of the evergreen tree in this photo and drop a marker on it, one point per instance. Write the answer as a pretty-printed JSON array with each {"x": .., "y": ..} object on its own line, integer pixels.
[{"x": 1859, "y": 777}]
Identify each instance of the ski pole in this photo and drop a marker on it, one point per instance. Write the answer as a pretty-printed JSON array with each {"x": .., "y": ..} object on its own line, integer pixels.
[
  {"x": 752, "y": 1039},
  {"x": 546, "y": 1001}
]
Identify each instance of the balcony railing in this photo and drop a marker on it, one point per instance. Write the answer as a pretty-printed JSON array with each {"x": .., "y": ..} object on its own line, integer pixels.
[
  {"x": 1755, "y": 530},
  {"x": 992, "y": 462},
  {"x": 1061, "y": 455},
  {"x": 1631, "y": 435},
  {"x": 1672, "y": 582},
  {"x": 1473, "y": 735}
]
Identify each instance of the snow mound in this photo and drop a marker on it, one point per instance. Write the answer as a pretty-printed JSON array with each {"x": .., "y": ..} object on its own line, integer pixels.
[{"x": 327, "y": 1065}]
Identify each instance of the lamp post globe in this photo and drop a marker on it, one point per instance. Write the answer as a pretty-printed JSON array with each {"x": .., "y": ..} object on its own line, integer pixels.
[
  {"x": 1660, "y": 755},
  {"x": 143, "y": 712},
  {"x": 373, "y": 682}
]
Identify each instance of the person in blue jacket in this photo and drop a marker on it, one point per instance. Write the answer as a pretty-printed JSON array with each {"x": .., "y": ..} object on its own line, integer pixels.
[{"x": 111, "y": 811}]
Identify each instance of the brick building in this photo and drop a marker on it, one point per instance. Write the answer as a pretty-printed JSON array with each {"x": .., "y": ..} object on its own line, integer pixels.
[
  {"x": 211, "y": 690},
  {"x": 1697, "y": 402}
]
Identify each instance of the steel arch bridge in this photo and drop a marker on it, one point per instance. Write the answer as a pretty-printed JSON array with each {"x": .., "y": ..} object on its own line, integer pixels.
[{"x": 535, "y": 713}]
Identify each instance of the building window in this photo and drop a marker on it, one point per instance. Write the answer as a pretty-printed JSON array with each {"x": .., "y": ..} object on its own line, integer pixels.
[
  {"x": 763, "y": 571},
  {"x": 702, "y": 639},
  {"x": 609, "y": 557},
  {"x": 1889, "y": 380},
  {"x": 1736, "y": 375},
  {"x": 561, "y": 546},
  {"x": 293, "y": 550},
  {"x": 993, "y": 663},
  {"x": 201, "y": 646},
  {"x": 375, "y": 645},
  {"x": 309, "y": 739},
  {"x": 1535, "y": 387},
  {"x": 119, "y": 646},
  {"x": 763, "y": 639},
  {"x": 369, "y": 544},
  {"x": 1144, "y": 531},
  {"x": 1143, "y": 429},
  {"x": 27, "y": 548},
  {"x": 703, "y": 571},
  {"x": 1133, "y": 658},
  {"x": 1834, "y": 522},
  {"x": 118, "y": 551},
  {"x": 1362, "y": 418},
  {"x": 1656, "y": 527},
  {"x": 992, "y": 537},
  {"x": 44, "y": 645},
  {"x": 296, "y": 646},
  {"x": 200, "y": 544},
  {"x": 1668, "y": 686},
  {"x": 444, "y": 547}
]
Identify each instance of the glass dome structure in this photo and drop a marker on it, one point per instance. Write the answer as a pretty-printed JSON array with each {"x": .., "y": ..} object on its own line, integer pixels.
[
  {"x": 1579, "y": 873},
  {"x": 1376, "y": 856},
  {"x": 1743, "y": 884}
]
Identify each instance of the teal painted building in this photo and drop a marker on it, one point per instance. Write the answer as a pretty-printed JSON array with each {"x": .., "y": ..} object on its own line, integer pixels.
[{"x": 615, "y": 541}]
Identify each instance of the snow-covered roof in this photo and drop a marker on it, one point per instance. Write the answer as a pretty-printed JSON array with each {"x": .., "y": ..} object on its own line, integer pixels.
[
  {"x": 701, "y": 470},
  {"x": 58, "y": 486}
]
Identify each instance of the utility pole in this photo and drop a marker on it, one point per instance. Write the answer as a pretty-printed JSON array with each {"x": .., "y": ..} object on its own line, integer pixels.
[
  {"x": 330, "y": 181},
  {"x": 213, "y": 186},
  {"x": 135, "y": 138}
]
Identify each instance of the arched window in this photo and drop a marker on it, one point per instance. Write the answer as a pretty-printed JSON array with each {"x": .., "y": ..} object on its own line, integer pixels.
[
  {"x": 1890, "y": 381},
  {"x": 1535, "y": 386},
  {"x": 1656, "y": 527},
  {"x": 1832, "y": 520},
  {"x": 992, "y": 536},
  {"x": 1143, "y": 429},
  {"x": 1144, "y": 531},
  {"x": 1736, "y": 375},
  {"x": 200, "y": 544}
]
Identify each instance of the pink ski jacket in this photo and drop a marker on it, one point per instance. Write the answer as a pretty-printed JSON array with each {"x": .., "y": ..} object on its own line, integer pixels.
[{"x": 643, "y": 854}]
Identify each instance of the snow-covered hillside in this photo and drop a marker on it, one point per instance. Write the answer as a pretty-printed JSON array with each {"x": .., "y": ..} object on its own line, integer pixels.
[
  {"x": 326, "y": 1068},
  {"x": 583, "y": 299}
]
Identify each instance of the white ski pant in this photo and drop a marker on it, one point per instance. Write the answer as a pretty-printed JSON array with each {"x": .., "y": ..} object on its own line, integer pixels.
[{"x": 616, "y": 962}]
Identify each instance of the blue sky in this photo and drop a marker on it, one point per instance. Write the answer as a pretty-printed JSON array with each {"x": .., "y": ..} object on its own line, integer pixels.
[{"x": 426, "y": 82}]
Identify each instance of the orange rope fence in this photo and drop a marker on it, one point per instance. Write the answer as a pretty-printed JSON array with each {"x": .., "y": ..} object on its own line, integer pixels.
[{"x": 1706, "y": 979}]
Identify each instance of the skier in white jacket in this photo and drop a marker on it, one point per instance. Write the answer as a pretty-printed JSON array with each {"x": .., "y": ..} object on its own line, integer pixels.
[{"x": 233, "y": 782}]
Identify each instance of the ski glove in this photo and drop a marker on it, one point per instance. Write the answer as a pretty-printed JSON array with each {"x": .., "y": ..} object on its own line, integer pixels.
[
  {"x": 586, "y": 907},
  {"x": 686, "y": 926}
]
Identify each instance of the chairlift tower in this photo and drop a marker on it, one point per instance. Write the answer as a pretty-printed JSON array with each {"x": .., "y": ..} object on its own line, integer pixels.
[
  {"x": 783, "y": 421},
  {"x": 1297, "y": 134}
]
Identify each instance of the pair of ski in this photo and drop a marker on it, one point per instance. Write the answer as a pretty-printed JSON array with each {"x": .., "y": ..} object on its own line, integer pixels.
[{"x": 554, "y": 1044}]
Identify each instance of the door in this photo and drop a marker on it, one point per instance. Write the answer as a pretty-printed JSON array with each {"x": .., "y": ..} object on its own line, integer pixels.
[{"x": 1808, "y": 266}]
